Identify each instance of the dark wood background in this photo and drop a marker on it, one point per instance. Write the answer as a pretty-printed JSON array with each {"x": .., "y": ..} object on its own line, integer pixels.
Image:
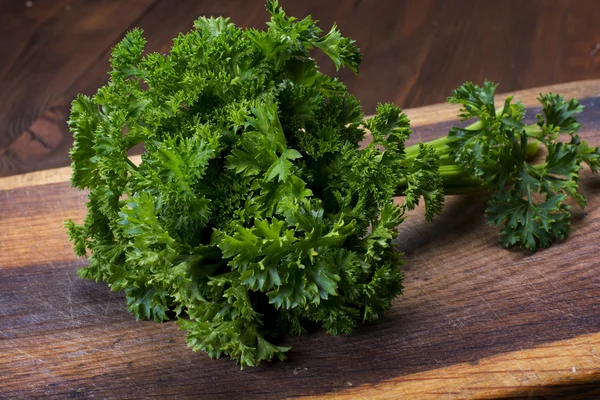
[{"x": 416, "y": 52}]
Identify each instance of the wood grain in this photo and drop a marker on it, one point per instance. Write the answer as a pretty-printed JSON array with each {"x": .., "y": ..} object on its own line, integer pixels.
[
  {"x": 476, "y": 320},
  {"x": 415, "y": 52},
  {"x": 54, "y": 43},
  {"x": 572, "y": 364}
]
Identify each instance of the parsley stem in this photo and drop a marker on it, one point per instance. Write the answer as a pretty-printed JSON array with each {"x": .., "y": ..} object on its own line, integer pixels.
[
  {"x": 457, "y": 180},
  {"x": 443, "y": 151},
  {"x": 533, "y": 130}
]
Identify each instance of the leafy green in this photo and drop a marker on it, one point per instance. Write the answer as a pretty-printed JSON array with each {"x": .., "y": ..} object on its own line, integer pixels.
[
  {"x": 529, "y": 200},
  {"x": 254, "y": 213}
]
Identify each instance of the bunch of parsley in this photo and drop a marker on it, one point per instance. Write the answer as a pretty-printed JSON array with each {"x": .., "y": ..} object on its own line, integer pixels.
[{"x": 255, "y": 213}]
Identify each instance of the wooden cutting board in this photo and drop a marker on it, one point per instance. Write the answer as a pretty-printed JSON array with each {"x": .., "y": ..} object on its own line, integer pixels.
[{"x": 476, "y": 320}]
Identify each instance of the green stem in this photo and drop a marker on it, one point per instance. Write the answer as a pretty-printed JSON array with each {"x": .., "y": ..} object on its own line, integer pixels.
[
  {"x": 457, "y": 180},
  {"x": 439, "y": 144},
  {"x": 456, "y": 176}
]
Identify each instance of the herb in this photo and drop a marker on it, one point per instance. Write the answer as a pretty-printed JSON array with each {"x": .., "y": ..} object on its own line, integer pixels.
[
  {"x": 255, "y": 213},
  {"x": 529, "y": 197}
]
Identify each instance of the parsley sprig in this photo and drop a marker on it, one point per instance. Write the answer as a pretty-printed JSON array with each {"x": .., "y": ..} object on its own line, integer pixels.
[{"x": 529, "y": 199}]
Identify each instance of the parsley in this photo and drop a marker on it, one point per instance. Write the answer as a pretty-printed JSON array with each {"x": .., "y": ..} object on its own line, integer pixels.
[
  {"x": 497, "y": 152},
  {"x": 255, "y": 214}
]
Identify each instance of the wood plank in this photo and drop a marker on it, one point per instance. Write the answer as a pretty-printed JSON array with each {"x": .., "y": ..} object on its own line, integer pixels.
[
  {"x": 161, "y": 21},
  {"x": 572, "y": 364},
  {"x": 55, "y": 42},
  {"x": 19, "y": 23},
  {"x": 415, "y": 53},
  {"x": 476, "y": 320},
  {"x": 580, "y": 58}
]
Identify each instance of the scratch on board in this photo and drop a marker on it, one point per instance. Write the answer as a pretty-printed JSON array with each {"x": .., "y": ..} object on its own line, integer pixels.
[
  {"x": 488, "y": 306},
  {"x": 43, "y": 300},
  {"x": 519, "y": 273},
  {"x": 69, "y": 295},
  {"x": 20, "y": 351},
  {"x": 565, "y": 313},
  {"x": 474, "y": 289},
  {"x": 454, "y": 323},
  {"x": 107, "y": 305},
  {"x": 525, "y": 372}
]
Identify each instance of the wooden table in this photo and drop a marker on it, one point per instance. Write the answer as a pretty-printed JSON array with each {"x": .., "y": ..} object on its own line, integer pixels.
[
  {"x": 415, "y": 52},
  {"x": 476, "y": 320}
]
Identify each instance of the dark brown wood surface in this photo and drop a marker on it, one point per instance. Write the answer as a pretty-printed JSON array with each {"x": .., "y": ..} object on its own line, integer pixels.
[
  {"x": 476, "y": 320},
  {"x": 415, "y": 51}
]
